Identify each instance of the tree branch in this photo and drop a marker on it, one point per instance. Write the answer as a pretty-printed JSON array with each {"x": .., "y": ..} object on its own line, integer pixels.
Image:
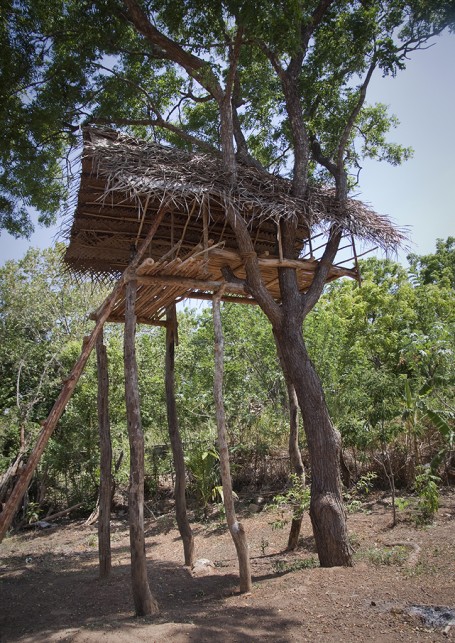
[
  {"x": 158, "y": 122},
  {"x": 352, "y": 118},
  {"x": 168, "y": 49},
  {"x": 307, "y": 31},
  {"x": 311, "y": 297}
]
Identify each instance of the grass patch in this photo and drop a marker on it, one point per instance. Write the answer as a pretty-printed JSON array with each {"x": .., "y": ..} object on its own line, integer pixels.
[
  {"x": 282, "y": 566},
  {"x": 379, "y": 556}
]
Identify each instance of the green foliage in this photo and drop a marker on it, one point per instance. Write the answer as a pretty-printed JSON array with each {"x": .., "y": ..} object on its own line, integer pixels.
[
  {"x": 401, "y": 504},
  {"x": 32, "y": 512},
  {"x": 202, "y": 465},
  {"x": 65, "y": 63},
  {"x": 384, "y": 351},
  {"x": 385, "y": 355},
  {"x": 296, "y": 499},
  {"x": 362, "y": 488},
  {"x": 428, "y": 492},
  {"x": 437, "y": 268}
]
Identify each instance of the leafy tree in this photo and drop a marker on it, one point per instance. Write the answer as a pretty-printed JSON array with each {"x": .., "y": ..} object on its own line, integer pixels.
[
  {"x": 373, "y": 343},
  {"x": 436, "y": 268},
  {"x": 43, "y": 317},
  {"x": 269, "y": 78}
]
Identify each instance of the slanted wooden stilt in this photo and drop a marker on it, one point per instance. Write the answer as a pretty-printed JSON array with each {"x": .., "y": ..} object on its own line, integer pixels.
[
  {"x": 176, "y": 441},
  {"x": 105, "y": 493},
  {"x": 12, "y": 505},
  {"x": 236, "y": 529},
  {"x": 144, "y": 602}
]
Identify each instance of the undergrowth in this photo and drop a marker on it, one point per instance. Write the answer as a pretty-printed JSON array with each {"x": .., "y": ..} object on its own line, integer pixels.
[
  {"x": 280, "y": 566},
  {"x": 378, "y": 556}
]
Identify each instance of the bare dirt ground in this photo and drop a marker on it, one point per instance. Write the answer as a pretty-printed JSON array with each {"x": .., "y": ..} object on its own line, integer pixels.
[{"x": 49, "y": 590}]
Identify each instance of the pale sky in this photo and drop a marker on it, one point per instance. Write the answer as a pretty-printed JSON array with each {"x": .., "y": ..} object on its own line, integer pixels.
[{"x": 420, "y": 193}]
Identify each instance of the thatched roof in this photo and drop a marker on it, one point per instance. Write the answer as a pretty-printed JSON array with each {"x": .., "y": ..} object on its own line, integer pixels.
[{"x": 126, "y": 182}]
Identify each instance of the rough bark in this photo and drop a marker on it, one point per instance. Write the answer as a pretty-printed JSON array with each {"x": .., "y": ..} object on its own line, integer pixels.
[
  {"x": 326, "y": 508},
  {"x": 295, "y": 458},
  {"x": 144, "y": 602},
  {"x": 105, "y": 492},
  {"x": 236, "y": 529},
  {"x": 176, "y": 440}
]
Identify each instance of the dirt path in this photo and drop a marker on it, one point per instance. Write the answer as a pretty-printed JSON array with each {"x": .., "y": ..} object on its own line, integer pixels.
[{"x": 49, "y": 590}]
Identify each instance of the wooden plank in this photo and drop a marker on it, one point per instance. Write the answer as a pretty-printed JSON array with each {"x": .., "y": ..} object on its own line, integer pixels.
[
  {"x": 189, "y": 283},
  {"x": 224, "y": 298}
]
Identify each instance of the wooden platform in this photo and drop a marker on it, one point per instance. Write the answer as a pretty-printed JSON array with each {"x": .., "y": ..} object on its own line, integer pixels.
[{"x": 161, "y": 283}]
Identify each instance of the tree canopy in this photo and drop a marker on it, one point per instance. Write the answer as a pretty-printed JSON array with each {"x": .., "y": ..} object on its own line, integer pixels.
[{"x": 295, "y": 75}]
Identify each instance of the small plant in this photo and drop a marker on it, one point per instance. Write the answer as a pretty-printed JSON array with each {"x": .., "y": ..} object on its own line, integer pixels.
[
  {"x": 428, "y": 492},
  {"x": 353, "y": 506},
  {"x": 401, "y": 504},
  {"x": 361, "y": 488},
  {"x": 365, "y": 483},
  {"x": 283, "y": 566},
  {"x": 32, "y": 512},
  {"x": 295, "y": 499},
  {"x": 92, "y": 540},
  {"x": 203, "y": 467},
  {"x": 264, "y": 545}
]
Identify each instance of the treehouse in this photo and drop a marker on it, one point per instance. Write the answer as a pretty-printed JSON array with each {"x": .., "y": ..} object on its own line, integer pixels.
[{"x": 127, "y": 186}]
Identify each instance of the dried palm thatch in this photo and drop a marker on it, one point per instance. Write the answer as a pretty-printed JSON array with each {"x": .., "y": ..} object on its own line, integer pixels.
[{"x": 125, "y": 183}]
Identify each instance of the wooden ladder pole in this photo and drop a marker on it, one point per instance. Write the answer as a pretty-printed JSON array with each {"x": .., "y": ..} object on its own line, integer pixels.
[
  {"x": 105, "y": 492},
  {"x": 235, "y": 527},
  {"x": 176, "y": 439},
  {"x": 12, "y": 504}
]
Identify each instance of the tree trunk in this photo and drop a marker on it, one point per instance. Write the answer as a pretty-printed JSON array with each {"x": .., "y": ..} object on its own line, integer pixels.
[
  {"x": 326, "y": 508},
  {"x": 176, "y": 441},
  {"x": 295, "y": 457},
  {"x": 105, "y": 493},
  {"x": 297, "y": 467},
  {"x": 144, "y": 602},
  {"x": 236, "y": 529}
]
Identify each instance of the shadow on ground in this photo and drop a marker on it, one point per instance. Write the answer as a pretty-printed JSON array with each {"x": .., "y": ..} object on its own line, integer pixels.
[{"x": 53, "y": 597}]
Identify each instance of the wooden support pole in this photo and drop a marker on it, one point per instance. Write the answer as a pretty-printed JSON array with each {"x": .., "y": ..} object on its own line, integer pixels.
[
  {"x": 12, "y": 505},
  {"x": 176, "y": 440},
  {"x": 144, "y": 602},
  {"x": 105, "y": 493},
  {"x": 236, "y": 529}
]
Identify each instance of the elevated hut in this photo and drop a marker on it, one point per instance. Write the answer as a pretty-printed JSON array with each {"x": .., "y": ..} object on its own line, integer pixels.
[{"x": 127, "y": 184}]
